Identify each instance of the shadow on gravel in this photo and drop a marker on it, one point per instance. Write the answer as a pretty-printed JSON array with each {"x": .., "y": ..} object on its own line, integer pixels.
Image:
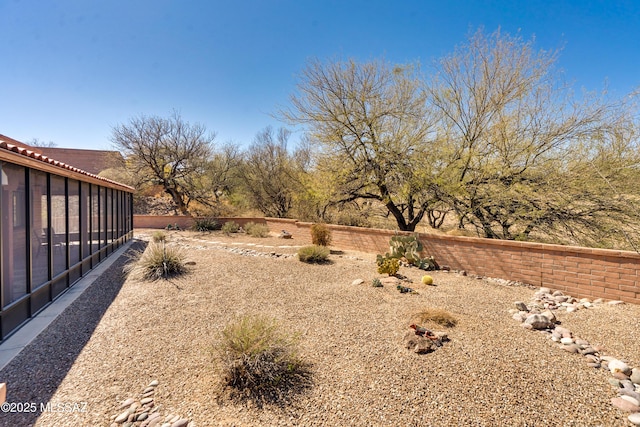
[
  {"x": 283, "y": 396},
  {"x": 34, "y": 375}
]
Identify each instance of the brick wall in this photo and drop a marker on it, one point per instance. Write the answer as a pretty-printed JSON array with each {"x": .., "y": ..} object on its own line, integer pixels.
[
  {"x": 580, "y": 272},
  {"x": 183, "y": 221}
]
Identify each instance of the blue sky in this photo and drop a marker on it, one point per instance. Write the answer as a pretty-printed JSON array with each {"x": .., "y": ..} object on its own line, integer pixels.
[{"x": 73, "y": 69}]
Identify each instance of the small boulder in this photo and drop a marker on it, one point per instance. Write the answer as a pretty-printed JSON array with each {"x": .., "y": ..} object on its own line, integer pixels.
[
  {"x": 357, "y": 282},
  {"x": 616, "y": 365},
  {"x": 521, "y": 306},
  {"x": 538, "y": 321}
]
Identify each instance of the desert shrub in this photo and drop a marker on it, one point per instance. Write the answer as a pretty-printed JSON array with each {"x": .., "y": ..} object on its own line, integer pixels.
[
  {"x": 320, "y": 235},
  {"x": 158, "y": 236},
  {"x": 376, "y": 283},
  {"x": 387, "y": 265},
  {"x": 206, "y": 224},
  {"x": 437, "y": 316},
  {"x": 256, "y": 230},
  {"x": 158, "y": 261},
  {"x": 230, "y": 227},
  {"x": 260, "y": 360},
  {"x": 314, "y": 254}
]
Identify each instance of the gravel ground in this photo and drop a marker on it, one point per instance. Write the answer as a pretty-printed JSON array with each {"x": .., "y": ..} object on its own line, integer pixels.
[{"x": 122, "y": 334}]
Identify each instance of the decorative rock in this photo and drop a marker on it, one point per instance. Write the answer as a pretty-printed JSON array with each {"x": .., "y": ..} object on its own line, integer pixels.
[
  {"x": 615, "y": 383},
  {"x": 588, "y": 351},
  {"x": 143, "y": 416},
  {"x": 549, "y": 315},
  {"x": 520, "y": 316},
  {"x": 127, "y": 403},
  {"x": 635, "y": 375},
  {"x": 122, "y": 417},
  {"x": 630, "y": 399},
  {"x": 357, "y": 282},
  {"x": 619, "y": 376},
  {"x": 153, "y": 383},
  {"x": 624, "y": 405},
  {"x": 594, "y": 365},
  {"x": 566, "y": 341},
  {"x": 616, "y": 302},
  {"x": 625, "y": 392},
  {"x": 616, "y": 365},
  {"x": 521, "y": 306},
  {"x": 635, "y": 418},
  {"x": 391, "y": 280},
  {"x": 592, "y": 358},
  {"x": 538, "y": 321},
  {"x": 571, "y": 348},
  {"x": 285, "y": 235},
  {"x": 180, "y": 423}
]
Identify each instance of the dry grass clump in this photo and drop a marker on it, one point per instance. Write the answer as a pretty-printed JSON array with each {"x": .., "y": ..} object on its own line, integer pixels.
[
  {"x": 256, "y": 230},
  {"x": 314, "y": 254},
  {"x": 230, "y": 227},
  {"x": 436, "y": 316},
  {"x": 158, "y": 261},
  {"x": 258, "y": 360},
  {"x": 206, "y": 224},
  {"x": 159, "y": 236},
  {"x": 320, "y": 235}
]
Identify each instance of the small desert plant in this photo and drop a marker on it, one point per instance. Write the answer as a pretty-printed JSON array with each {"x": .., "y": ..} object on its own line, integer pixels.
[
  {"x": 158, "y": 236},
  {"x": 320, "y": 235},
  {"x": 376, "y": 283},
  {"x": 206, "y": 224},
  {"x": 387, "y": 265},
  {"x": 158, "y": 261},
  {"x": 230, "y": 227},
  {"x": 313, "y": 254},
  {"x": 437, "y": 316},
  {"x": 256, "y": 230},
  {"x": 258, "y": 359}
]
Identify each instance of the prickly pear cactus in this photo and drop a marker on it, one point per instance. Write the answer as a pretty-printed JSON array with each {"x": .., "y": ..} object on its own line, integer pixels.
[{"x": 408, "y": 247}]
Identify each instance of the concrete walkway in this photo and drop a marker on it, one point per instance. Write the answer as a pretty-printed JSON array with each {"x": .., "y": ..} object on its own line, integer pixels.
[{"x": 13, "y": 345}]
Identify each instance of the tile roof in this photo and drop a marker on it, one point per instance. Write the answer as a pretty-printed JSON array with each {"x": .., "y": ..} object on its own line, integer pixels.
[{"x": 33, "y": 154}]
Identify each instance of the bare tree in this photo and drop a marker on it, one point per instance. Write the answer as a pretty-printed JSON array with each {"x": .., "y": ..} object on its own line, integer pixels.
[
  {"x": 373, "y": 126},
  {"x": 169, "y": 152},
  {"x": 35, "y": 142},
  {"x": 269, "y": 173},
  {"x": 508, "y": 128}
]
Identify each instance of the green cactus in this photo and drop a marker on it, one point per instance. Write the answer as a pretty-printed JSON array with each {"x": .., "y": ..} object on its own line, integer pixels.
[{"x": 408, "y": 247}]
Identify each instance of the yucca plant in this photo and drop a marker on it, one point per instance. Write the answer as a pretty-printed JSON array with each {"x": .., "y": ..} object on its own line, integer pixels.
[{"x": 158, "y": 261}]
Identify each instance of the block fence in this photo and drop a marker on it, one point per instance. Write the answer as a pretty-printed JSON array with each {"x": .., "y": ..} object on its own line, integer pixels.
[{"x": 580, "y": 272}]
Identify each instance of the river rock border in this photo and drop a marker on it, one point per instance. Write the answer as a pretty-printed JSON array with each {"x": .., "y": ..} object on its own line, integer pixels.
[
  {"x": 144, "y": 412},
  {"x": 538, "y": 315}
]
